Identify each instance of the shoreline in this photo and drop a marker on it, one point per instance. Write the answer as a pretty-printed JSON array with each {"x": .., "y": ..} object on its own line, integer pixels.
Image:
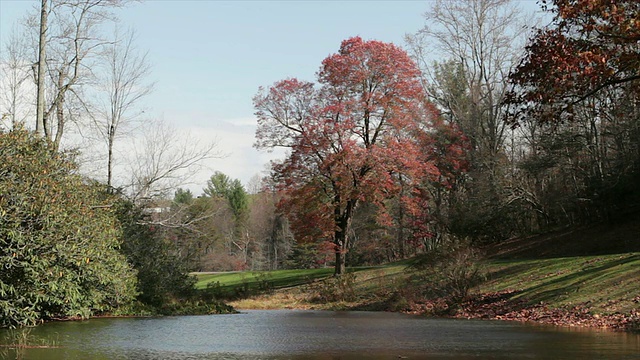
[
  {"x": 484, "y": 306},
  {"x": 498, "y": 306}
]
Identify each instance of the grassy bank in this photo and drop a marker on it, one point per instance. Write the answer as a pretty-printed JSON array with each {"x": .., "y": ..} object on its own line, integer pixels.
[
  {"x": 595, "y": 291},
  {"x": 606, "y": 283},
  {"x": 579, "y": 277},
  {"x": 601, "y": 291},
  {"x": 277, "y": 279}
]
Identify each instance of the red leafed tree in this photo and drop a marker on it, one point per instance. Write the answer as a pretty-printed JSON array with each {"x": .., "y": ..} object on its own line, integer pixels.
[
  {"x": 446, "y": 147},
  {"x": 350, "y": 138},
  {"x": 591, "y": 45}
]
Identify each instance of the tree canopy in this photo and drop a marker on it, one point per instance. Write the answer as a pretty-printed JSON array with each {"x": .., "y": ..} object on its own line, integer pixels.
[
  {"x": 591, "y": 45},
  {"x": 351, "y": 138}
]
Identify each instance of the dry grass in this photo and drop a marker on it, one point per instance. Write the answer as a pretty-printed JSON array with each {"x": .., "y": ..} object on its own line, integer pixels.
[{"x": 538, "y": 273}]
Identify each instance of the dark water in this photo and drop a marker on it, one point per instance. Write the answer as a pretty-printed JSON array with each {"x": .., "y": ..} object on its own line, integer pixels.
[{"x": 318, "y": 335}]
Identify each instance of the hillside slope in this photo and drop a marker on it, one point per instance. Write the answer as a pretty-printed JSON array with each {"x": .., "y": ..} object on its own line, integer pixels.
[
  {"x": 622, "y": 236},
  {"x": 580, "y": 277}
]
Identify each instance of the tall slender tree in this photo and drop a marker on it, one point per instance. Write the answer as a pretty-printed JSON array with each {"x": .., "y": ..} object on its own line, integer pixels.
[
  {"x": 124, "y": 84},
  {"x": 68, "y": 37},
  {"x": 41, "y": 67}
]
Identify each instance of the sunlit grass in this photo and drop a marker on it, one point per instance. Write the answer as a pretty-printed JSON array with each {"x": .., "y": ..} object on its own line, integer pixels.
[
  {"x": 285, "y": 278},
  {"x": 606, "y": 283},
  {"x": 278, "y": 278}
]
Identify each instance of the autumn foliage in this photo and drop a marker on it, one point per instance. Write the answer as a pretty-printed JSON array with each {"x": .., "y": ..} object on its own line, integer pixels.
[
  {"x": 592, "y": 45},
  {"x": 575, "y": 98},
  {"x": 352, "y": 137}
]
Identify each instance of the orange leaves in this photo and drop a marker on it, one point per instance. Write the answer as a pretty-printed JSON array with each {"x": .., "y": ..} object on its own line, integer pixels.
[
  {"x": 351, "y": 140},
  {"x": 592, "y": 46}
]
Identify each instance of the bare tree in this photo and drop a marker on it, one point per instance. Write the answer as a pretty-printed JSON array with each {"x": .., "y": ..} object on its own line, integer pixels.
[
  {"x": 69, "y": 36},
  {"x": 163, "y": 159},
  {"x": 41, "y": 66},
  {"x": 123, "y": 85},
  {"x": 481, "y": 41},
  {"x": 270, "y": 230},
  {"x": 14, "y": 100}
]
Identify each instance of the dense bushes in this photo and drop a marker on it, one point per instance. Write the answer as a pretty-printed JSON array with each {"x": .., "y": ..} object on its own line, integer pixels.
[
  {"x": 70, "y": 249},
  {"x": 453, "y": 271},
  {"x": 162, "y": 276},
  {"x": 59, "y": 238}
]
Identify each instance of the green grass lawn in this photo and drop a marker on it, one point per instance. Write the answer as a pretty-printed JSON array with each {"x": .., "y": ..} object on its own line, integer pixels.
[
  {"x": 606, "y": 283},
  {"x": 278, "y": 278},
  {"x": 596, "y": 269}
]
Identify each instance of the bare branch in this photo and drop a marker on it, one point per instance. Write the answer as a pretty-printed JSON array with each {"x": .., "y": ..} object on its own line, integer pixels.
[{"x": 164, "y": 159}]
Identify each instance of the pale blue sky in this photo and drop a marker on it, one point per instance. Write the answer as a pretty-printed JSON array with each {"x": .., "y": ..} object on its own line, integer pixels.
[
  {"x": 213, "y": 55},
  {"x": 210, "y": 57}
]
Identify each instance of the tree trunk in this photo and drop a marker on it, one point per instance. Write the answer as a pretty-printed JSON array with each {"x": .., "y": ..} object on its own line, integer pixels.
[
  {"x": 41, "y": 69},
  {"x": 340, "y": 267},
  {"x": 341, "y": 238},
  {"x": 110, "y": 140},
  {"x": 59, "y": 117},
  {"x": 341, "y": 251}
]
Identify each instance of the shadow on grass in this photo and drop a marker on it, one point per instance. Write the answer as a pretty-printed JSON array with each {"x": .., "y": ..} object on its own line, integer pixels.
[
  {"x": 240, "y": 285},
  {"x": 511, "y": 270},
  {"x": 563, "y": 286}
]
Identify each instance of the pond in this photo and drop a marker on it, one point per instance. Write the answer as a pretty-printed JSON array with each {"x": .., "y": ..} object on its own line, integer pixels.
[{"x": 290, "y": 334}]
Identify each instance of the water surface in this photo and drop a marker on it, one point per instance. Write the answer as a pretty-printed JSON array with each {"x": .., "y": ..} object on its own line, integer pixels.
[{"x": 320, "y": 335}]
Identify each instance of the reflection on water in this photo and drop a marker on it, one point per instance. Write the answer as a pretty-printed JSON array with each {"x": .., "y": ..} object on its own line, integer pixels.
[{"x": 320, "y": 335}]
